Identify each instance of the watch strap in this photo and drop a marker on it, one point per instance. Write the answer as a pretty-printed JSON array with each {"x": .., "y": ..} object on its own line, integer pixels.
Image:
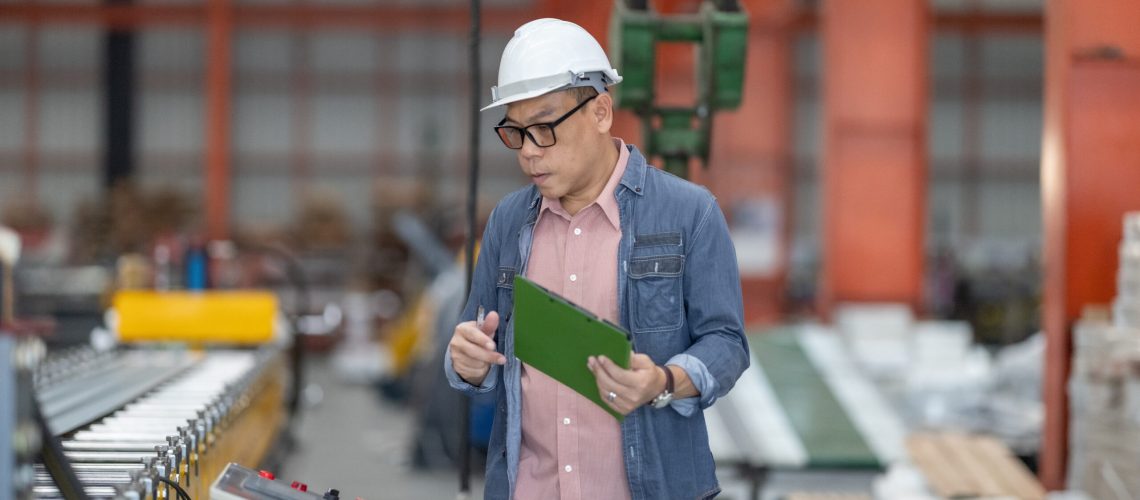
[{"x": 662, "y": 400}]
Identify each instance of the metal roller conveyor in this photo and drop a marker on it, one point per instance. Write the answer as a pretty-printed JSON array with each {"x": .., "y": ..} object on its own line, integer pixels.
[
  {"x": 93, "y": 468},
  {"x": 71, "y": 401},
  {"x": 105, "y": 446},
  {"x": 128, "y": 419},
  {"x": 91, "y": 479},
  {"x": 94, "y": 457}
]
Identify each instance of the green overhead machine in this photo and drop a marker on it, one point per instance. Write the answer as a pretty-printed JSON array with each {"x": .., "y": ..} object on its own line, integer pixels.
[{"x": 720, "y": 32}]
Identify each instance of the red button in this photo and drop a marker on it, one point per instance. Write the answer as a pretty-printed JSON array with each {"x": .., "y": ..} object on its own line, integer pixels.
[
  {"x": 267, "y": 475},
  {"x": 297, "y": 485}
]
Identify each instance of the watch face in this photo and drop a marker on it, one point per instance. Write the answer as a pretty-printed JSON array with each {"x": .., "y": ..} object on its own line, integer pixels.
[{"x": 663, "y": 400}]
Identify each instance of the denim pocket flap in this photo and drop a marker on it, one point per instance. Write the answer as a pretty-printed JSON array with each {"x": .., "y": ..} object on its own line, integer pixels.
[
  {"x": 659, "y": 265},
  {"x": 657, "y": 239}
]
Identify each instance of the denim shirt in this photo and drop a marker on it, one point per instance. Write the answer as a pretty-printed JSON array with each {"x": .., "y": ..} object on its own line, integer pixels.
[{"x": 678, "y": 293}]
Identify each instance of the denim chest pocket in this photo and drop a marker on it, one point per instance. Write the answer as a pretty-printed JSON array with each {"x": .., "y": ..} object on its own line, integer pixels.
[{"x": 655, "y": 292}]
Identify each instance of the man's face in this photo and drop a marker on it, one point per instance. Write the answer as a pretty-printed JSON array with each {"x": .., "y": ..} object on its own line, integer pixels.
[{"x": 564, "y": 168}]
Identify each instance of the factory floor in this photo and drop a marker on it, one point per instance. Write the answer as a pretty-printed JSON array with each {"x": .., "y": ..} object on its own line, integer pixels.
[{"x": 355, "y": 441}]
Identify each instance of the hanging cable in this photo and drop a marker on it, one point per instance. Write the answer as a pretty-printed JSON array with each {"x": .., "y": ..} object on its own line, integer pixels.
[{"x": 475, "y": 69}]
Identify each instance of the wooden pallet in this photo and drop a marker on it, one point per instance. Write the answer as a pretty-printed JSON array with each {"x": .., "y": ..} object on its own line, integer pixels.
[{"x": 967, "y": 466}]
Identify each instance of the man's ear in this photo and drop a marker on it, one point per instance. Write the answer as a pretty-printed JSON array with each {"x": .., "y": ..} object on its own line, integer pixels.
[{"x": 603, "y": 112}]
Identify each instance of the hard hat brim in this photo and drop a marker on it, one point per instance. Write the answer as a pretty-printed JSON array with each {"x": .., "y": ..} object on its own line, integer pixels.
[{"x": 523, "y": 96}]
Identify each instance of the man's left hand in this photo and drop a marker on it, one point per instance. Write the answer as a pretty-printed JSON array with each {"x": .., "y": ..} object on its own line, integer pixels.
[{"x": 630, "y": 388}]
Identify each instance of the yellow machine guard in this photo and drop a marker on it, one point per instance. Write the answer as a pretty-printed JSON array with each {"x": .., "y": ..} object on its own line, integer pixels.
[{"x": 233, "y": 317}]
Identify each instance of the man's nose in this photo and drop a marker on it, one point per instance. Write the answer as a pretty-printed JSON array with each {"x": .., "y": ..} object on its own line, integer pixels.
[{"x": 530, "y": 149}]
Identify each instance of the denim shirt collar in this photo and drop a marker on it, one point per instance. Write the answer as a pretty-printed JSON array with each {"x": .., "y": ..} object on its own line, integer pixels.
[{"x": 634, "y": 176}]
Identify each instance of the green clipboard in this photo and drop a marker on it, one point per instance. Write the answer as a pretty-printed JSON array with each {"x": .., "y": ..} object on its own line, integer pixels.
[{"x": 555, "y": 336}]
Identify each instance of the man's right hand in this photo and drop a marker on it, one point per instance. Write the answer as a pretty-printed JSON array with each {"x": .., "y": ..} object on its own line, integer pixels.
[{"x": 473, "y": 349}]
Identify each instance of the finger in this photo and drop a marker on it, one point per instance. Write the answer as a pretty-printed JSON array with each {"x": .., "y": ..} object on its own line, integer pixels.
[
  {"x": 474, "y": 335},
  {"x": 466, "y": 369},
  {"x": 605, "y": 382},
  {"x": 491, "y": 324},
  {"x": 477, "y": 352},
  {"x": 621, "y": 376}
]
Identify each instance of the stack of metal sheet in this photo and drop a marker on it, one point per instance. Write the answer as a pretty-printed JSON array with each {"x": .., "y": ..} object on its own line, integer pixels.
[
  {"x": 1104, "y": 388},
  {"x": 128, "y": 419}
]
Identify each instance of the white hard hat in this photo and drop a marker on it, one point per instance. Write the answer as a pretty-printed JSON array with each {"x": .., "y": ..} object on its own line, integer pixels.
[{"x": 546, "y": 55}]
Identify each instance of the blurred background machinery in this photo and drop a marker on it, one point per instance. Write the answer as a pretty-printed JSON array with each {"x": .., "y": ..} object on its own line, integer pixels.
[
  {"x": 135, "y": 419},
  {"x": 925, "y": 197}
]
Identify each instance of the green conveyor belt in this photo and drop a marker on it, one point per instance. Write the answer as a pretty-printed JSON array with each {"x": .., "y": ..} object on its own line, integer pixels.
[{"x": 829, "y": 437}]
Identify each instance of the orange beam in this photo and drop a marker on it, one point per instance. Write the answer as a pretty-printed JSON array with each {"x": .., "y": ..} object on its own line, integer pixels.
[
  {"x": 975, "y": 22},
  {"x": 402, "y": 18},
  {"x": 111, "y": 15},
  {"x": 433, "y": 17},
  {"x": 874, "y": 157},
  {"x": 219, "y": 77},
  {"x": 1090, "y": 167}
]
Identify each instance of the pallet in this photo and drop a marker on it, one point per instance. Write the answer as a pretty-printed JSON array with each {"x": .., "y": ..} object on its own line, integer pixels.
[
  {"x": 826, "y": 496},
  {"x": 968, "y": 466}
]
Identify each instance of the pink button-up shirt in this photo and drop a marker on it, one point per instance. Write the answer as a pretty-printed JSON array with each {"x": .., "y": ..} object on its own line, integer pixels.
[{"x": 571, "y": 448}]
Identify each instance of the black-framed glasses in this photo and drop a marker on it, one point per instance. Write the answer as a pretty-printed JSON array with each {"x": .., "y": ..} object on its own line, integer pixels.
[{"x": 541, "y": 134}]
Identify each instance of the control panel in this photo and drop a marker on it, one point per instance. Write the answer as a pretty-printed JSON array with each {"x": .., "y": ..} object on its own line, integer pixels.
[{"x": 240, "y": 483}]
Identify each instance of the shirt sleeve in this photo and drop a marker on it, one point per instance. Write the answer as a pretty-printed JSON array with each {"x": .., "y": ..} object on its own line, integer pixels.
[
  {"x": 714, "y": 309},
  {"x": 701, "y": 378},
  {"x": 458, "y": 383}
]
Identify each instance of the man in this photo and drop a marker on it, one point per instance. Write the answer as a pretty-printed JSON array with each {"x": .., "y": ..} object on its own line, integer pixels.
[{"x": 628, "y": 242}]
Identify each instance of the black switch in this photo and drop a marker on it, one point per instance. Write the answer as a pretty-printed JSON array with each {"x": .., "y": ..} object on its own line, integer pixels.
[{"x": 332, "y": 494}]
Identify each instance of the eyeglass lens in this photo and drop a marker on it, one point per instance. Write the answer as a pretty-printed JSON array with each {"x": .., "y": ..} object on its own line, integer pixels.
[{"x": 541, "y": 133}]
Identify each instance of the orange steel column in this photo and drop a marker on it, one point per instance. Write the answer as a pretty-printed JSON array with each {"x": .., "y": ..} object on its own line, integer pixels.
[
  {"x": 750, "y": 163},
  {"x": 1090, "y": 173},
  {"x": 874, "y": 158},
  {"x": 219, "y": 77}
]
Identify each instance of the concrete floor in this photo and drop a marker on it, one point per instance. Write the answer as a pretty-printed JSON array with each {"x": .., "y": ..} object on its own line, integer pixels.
[{"x": 353, "y": 440}]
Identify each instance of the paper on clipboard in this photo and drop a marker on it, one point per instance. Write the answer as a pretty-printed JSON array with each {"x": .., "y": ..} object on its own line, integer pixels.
[{"x": 556, "y": 337}]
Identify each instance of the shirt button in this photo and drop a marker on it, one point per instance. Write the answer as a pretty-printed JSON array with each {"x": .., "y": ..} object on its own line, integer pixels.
[
  {"x": 577, "y": 231},
  {"x": 573, "y": 277},
  {"x": 566, "y": 421},
  {"x": 569, "y": 468}
]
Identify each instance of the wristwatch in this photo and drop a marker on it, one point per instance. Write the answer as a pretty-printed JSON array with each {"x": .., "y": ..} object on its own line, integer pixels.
[{"x": 662, "y": 400}]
